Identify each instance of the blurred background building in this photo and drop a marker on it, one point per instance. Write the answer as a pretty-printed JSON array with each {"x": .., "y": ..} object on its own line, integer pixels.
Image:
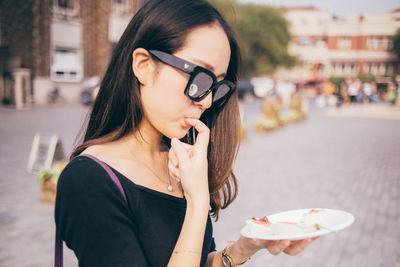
[
  {"x": 55, "y": 46},
  {"x": 60, "y": 48},
  {"x": 326, "y": 45}
]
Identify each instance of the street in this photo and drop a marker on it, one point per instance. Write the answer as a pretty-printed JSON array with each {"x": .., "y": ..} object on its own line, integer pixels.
[{"x": 336, "y": 162}]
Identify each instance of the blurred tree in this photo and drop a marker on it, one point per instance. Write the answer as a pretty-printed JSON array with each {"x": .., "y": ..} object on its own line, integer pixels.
[
  {"x": 263, "y": 33},
  {"x": 228, "y": 9},
  {"x": 396, "y": 43}
]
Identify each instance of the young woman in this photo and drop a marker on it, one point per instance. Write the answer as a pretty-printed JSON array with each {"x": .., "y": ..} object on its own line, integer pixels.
[{"x": 174, "y": 69}]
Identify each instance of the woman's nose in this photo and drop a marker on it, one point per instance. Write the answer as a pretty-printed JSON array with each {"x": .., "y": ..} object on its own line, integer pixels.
[{"x": 206, "y": 102}]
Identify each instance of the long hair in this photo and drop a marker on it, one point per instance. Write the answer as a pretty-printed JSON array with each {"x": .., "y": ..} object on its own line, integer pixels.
[{"x": 117, "y": 111}]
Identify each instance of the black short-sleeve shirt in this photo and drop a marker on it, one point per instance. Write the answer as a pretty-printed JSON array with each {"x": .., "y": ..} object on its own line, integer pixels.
[{"x": 103, "y": 230}]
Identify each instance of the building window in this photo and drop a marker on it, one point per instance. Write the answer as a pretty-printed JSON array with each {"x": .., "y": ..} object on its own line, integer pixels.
[
  {"x": 320, "y": 42},
  {"x": 303, "y": 40},
  {"x": 66, "y": 65},
  {"x": 120, "y": 7},
  {"x": 66, "y": 7},
  {"x": 344, "y": 43},
  {"x": 379, "y": 43},
  {"x": 376, "y": 68},
  {"x": 65, "y": 4},
  {"x": 389, "y": 69}
]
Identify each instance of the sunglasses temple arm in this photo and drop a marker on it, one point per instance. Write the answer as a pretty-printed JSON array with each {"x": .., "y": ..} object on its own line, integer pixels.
[{"x": 174, "y": 61}]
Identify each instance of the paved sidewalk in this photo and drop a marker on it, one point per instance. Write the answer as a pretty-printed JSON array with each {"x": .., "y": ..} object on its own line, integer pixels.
[
  {"x": 348, "y": 163},
  {"x": 371, "y": 111}
]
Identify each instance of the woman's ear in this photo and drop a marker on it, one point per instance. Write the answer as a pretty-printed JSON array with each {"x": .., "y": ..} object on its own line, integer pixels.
[{"x": 142, "y": 65}]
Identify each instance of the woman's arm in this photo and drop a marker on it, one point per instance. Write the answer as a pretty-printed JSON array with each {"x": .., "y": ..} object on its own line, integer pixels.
[
  {"x": 188, "y": 249},
  {"x": 188, "y": 164}
]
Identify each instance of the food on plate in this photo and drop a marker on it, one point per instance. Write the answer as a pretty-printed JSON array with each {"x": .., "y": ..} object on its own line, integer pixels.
[
  {"x": 289, "y": 228},
  {"x": 315, "y": 217},
  {"x": 259, "y": 226},
  {"x": 310, "y": 222}
]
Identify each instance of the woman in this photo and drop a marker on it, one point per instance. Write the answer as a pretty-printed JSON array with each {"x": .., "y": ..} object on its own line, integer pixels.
[{"x": 174, "y": 68}]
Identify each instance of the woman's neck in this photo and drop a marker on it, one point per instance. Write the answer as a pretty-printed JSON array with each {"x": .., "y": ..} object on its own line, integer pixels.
[{"x": 146, "y": 141}]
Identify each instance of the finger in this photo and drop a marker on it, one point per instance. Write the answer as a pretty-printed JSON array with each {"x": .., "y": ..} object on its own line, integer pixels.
[
  {"x": 203, "y": 135},
  {"x": 173, "y": 172},
  {"x": 276, "y": 247},
  {"x": 298, "y": 246},
  {"x": 188, "y": 148},
  {"x": 181, "y": 153},
  {"x": 172, "y": 158}
]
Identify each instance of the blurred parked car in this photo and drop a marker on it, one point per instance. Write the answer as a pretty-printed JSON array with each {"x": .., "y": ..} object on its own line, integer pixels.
[
  {"x": 90, "y": 89},
  {"x": 262, "y": 86},
  {"x": 257, "y": 86},
  {"x": 245, "y": 88}
]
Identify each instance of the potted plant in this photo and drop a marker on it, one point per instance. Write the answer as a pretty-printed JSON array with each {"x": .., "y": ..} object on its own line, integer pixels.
[{"x": 48, "y": 178}]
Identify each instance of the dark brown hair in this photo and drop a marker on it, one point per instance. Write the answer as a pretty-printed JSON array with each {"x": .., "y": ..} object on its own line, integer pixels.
[{"x": 163, "y": 25}]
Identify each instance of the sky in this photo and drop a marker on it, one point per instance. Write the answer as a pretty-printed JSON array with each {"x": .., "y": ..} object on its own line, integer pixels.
[{"x": 338, "y": 7}]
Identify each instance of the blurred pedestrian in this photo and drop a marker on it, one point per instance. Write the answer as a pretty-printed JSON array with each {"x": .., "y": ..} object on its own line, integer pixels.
[
  {"x": 353, "y": 89},
  {"x": 285, "y": 89},
  {"x": 174, "y": 68},
  {"x": 367, "y": 93}
]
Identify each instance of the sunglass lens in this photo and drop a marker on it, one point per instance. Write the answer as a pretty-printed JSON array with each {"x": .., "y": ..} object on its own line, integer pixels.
[
  {"x": 222, "y": 91},
  {"x": 200, "y": 84}
]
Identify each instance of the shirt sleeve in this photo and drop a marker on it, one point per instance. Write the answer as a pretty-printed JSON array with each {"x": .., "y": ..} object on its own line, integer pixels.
[{"x": 94, "y": 219}]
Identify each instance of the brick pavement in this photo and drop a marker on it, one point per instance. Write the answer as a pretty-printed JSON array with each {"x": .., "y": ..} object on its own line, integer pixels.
[{"x": 335, "y": 162}]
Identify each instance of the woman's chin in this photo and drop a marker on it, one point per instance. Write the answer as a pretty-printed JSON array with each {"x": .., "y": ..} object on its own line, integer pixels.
[{"x": 179, "y": 135}]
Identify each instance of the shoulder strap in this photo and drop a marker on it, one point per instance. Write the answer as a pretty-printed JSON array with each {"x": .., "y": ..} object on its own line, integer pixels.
[
  {"x": 110, "y": 173},
  {"x": 58, "y": 251}
]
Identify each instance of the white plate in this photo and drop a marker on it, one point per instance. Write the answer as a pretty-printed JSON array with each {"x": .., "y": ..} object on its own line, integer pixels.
[{"x": 337, "y": 220}]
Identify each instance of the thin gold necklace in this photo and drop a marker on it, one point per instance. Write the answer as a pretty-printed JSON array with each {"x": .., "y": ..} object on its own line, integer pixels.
[{"x": 169, "y": 184}]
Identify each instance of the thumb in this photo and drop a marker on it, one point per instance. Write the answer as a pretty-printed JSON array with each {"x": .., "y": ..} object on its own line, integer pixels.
[{"x": 181, "y": 153}]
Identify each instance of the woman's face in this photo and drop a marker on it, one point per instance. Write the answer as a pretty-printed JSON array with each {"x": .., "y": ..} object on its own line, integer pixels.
[{"x": 164, "y": 102}]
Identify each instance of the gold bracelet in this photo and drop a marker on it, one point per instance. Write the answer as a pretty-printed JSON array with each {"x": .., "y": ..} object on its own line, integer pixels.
[{"x": 186, "y": 251}]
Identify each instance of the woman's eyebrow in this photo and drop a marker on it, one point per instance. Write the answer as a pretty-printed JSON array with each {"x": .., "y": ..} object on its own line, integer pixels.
[{"x": 207, "y": 66}]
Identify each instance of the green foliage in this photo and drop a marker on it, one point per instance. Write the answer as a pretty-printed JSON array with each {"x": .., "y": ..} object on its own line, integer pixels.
[
  {"x": 46, "y": 174},
  {"x": 396, "y": 43},
  {"x": 337, "y": 81},
  {"x": 366, "y": 78},
  {"x": 227, "y": 8},
  {"x": 263, "y": 35}
]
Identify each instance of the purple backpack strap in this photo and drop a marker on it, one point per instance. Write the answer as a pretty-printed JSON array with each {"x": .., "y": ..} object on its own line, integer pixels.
[
  {"x": 58, "y": 251},
  {"x": 110, "y": 173}
]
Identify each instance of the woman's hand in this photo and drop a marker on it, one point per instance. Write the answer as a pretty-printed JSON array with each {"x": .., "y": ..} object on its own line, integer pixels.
[
  {"x": 245, "y": 247},
  {"x": 276, "y": 246},
  {"x": 188, "y": 163}
]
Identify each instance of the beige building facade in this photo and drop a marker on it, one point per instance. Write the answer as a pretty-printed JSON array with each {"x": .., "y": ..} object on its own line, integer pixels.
[{"x": 329, "y": 46}]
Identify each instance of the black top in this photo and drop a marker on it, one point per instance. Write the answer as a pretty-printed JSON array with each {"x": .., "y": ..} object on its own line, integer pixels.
[{"x": 103, "y": 230}]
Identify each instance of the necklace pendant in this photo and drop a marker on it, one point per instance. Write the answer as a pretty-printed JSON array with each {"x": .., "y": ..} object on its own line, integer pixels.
[{"x": 170, "y": 188}]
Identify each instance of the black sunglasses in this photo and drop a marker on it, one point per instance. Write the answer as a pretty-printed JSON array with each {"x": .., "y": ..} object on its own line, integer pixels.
[{"x": 202, "y": 81}]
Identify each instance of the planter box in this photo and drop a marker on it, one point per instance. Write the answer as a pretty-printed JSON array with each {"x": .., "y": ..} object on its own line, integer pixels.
[{"x": 48, "y": 190}]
